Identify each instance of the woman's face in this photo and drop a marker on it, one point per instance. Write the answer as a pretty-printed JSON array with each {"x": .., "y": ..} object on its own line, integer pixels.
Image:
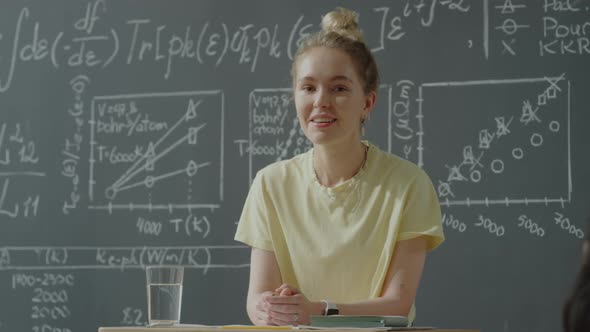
[{"x": 329, "y": 97}]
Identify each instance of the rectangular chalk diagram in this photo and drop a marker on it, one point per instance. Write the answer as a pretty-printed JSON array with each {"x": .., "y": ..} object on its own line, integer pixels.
[
  {"x": 157, "y": 151},
  {"x": 509, "y": 140}
]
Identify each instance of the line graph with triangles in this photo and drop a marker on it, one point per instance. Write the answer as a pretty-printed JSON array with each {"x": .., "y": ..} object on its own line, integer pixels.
[
  {"x": 510, "y": 137},
  {"x": 157, "y": 151}
]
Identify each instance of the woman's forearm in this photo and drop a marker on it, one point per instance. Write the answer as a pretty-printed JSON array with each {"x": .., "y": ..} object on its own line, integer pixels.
[
  {"x": 252, "y": 304},
  {"x": 251, "y": 308}
]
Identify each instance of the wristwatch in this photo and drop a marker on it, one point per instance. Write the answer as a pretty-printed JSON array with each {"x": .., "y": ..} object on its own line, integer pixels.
[{"x": 331, "y": 308}]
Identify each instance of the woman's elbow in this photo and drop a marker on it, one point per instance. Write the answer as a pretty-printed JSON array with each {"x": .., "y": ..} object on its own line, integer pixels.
[{"x": 399, "y": 306}]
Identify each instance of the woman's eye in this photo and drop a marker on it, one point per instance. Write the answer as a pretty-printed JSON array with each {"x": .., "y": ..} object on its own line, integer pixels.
[
  {"x": 340, "y": 89},
  {"x": 307, "y": 88}
]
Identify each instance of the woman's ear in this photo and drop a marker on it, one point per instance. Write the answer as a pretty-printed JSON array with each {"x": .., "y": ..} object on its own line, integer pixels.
[{"x": 370, "y": 99}]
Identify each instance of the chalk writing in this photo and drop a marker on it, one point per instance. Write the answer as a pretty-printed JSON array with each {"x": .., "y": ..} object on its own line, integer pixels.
[
  {"x": 490, "y": 225},
  {"x": 276, "y": 133},
  {"x": 133, "y": 317},
  {"x": 531, "y": 226},
  {"x": 49, "y": 297},
  {"x": 27, "y": 280},
  {"x": 566, "y": 225},
  {"x": 49, "y": 328},
  {"x": 96, "y": 44},
  {"x": 113, "y": 131},
  {"x": 453, "y": 223},
  {"x": 72, "y": 145},
  {"x": 406, "y": 126},
  {"x": 121, "y": 258},
  {"x": 393, "y": 26}
]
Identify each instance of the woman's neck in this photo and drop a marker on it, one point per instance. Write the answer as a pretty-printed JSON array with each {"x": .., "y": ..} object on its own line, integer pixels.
[{"x": 336, "y": 164}]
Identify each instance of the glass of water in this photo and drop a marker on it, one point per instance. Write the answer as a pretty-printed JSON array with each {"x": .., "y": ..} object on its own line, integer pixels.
[{"x": 164, "y": 294}]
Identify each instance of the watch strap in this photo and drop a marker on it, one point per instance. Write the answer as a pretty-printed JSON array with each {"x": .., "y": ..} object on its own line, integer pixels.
[{"x": 330, "y": 309}]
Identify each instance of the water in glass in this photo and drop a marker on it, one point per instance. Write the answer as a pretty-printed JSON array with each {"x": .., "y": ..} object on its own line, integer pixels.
[{"x": 164, "y": 301}]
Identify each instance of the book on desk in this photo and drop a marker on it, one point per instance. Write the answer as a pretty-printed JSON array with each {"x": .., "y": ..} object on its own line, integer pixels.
[{"x": 358, "y": 321}]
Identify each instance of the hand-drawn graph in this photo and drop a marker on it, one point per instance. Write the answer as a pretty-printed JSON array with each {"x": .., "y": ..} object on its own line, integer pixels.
[
  {"x": 157, "y": 151},
  {"x": 501, "y": 128}
]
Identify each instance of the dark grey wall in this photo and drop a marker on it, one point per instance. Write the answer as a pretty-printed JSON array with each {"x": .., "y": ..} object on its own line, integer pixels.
[{"x": 129, "y": 132}]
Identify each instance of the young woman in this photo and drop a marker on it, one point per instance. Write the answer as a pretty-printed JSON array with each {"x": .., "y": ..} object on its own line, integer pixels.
[{"x": 343, "y": 228}]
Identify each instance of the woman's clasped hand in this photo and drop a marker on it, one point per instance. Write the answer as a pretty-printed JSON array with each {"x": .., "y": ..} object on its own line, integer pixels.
[{"x": 285, "y": 306}]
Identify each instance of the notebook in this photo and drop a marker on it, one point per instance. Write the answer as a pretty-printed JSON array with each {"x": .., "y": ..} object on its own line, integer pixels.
[{"x": 359, "y": 321}]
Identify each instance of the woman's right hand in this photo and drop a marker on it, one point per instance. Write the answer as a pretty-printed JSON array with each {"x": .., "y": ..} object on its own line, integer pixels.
[{"x": 263, "y": 309}]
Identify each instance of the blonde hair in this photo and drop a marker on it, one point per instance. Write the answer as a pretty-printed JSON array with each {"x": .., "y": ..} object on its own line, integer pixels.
[{"x": 340, "y": 31}]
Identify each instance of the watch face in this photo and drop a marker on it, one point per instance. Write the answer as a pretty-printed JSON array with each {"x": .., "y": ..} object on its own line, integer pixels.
[{"x": 331, "y": 312}]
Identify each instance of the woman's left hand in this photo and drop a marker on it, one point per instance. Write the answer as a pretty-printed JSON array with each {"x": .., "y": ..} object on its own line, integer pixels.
[
  {"x": 286, "y": 290},
  {"x": 289, "y": 307}
]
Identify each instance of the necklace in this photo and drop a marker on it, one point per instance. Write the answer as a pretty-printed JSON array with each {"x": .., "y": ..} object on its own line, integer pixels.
[{"x": 352, "y": 186}]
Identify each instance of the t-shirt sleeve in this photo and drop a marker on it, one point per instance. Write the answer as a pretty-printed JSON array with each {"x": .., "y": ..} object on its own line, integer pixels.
[
  {"x": 421, "y": 214},
  {"x": 253, "y": 227}
]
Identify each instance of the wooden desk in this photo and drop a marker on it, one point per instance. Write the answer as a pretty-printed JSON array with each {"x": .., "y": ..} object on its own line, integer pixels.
[{"x": 213, "y": 329}]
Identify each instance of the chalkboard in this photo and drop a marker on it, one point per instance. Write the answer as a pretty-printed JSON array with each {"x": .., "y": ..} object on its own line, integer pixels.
[{"x": 130, "y": 132}]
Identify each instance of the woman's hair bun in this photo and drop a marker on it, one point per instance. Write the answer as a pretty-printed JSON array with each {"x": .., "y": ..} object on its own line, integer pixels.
[{"x": 343, "y": 22}]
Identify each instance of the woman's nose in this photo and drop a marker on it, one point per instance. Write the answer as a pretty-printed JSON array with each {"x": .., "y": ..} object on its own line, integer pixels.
[{"x": 322, "y": 99}]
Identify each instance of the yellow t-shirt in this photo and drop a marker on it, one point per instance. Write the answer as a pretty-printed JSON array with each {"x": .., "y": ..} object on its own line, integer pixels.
[{"x": 336, "y": 243}]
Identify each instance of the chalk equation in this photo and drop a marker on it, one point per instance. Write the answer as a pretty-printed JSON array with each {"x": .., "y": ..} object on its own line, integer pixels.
[
  {"x": 72, "y": 145},
  {"x": 93, "y": 40},
  {"x": 19, "y": 162},
  {"x": 119, "y": 258}
]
